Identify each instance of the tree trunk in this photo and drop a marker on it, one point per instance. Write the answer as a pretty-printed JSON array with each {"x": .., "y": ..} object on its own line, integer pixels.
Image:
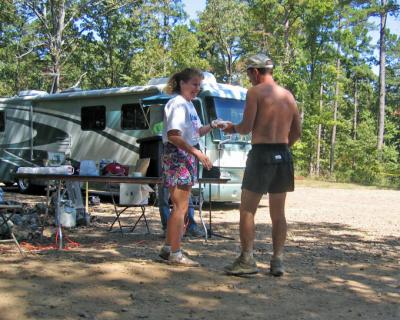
[
  {"x": 287, "y": 43},
  {"x": 57, "y": 9},
  {"x": 319, "y": 132},
  {"x": 17, "y": 77},
  {"x": 355, "y": 111},
  {"x": 382, "y": 75},
  {"x": 229, "y": 67},
  {"x": 336, "y": 106}
]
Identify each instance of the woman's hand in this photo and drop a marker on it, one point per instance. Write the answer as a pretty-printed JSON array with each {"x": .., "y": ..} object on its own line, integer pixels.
[
  {"x": 205, "y": 161},
  {"x": 176, "y": 139},
  {"x": 220, "y": 124}
]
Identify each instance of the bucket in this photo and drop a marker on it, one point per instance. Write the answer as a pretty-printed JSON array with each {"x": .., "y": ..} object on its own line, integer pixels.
[{"x": 67, "y": 215}]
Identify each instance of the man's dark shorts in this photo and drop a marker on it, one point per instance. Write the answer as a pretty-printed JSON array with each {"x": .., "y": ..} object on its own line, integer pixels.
[{"x": 269, "y": 169}]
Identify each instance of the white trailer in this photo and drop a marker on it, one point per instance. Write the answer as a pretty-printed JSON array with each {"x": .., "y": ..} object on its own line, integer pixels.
[{"x": 39, "y": 129}]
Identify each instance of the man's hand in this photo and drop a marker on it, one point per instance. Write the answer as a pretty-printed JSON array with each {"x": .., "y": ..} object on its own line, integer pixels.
[{"x": 229, "y": 128}]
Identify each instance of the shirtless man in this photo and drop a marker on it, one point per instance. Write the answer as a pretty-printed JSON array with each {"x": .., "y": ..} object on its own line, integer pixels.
[{"x": 271, "y": 115}]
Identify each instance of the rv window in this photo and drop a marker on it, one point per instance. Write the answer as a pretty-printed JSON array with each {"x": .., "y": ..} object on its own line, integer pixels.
[
  {"x": 2, "y": 121},
  {"x": 132, "y": 117},
  {"x": 226, "y": 109},
  {"x": 93, "y": 118}
]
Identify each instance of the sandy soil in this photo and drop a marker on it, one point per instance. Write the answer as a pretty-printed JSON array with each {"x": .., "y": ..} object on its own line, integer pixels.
[{"x": 342, "y": 261}]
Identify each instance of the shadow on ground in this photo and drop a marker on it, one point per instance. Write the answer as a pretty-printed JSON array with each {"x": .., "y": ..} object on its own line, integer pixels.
[{"x": 333, "y": 272}]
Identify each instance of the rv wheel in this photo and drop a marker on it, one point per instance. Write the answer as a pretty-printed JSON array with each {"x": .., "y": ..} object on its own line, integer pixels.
[{"x": 23, "y": 185}]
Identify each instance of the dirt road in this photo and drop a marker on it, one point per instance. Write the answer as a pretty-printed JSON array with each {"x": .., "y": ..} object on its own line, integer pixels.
[{"x": 342, "y": 261}]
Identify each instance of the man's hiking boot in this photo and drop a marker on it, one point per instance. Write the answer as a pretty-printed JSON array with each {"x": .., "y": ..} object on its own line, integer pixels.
[
  {"x": 242, "y": 266},
  {"x": 180, "y": 259},
  {"x": 276, "y": 267}
]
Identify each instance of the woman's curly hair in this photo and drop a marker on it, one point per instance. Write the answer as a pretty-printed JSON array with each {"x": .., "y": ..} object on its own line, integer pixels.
[{"x": 173, "y": 85}]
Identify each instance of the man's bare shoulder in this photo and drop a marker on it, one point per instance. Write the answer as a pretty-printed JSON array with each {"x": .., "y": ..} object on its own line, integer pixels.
[{"x": 287, "y": 95}]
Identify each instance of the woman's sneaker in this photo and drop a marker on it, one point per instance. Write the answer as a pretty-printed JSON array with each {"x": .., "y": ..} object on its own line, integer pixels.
[
  {"x": 164, "y": 252},
  {"x": 242, "y": 266},
  {"x": 276, "y": 267},
  {"x": 178, "y": 258}
]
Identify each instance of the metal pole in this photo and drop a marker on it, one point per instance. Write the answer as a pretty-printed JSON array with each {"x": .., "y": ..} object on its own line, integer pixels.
[
  {"x": 87, "y": 197},
  {"x": 58, "y": 214}
]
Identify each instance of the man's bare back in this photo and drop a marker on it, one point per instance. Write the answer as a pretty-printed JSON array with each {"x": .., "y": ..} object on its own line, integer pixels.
[
  {"x": 276, "y": 114},
  {"x": 270, "y": 113}
]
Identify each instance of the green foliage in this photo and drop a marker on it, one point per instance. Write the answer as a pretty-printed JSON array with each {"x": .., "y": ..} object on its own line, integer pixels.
[
  {"x": 314, "y": 44},
  {"x": 223, "y": 29},
  {"x": 185, "y": 50}
]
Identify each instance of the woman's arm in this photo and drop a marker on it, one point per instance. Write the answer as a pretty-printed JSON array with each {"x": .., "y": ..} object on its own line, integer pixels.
[
  {"x": 174, "y": 136},
  {"x": 205, "y": 129},
  {"x": 249, "y": 115}
]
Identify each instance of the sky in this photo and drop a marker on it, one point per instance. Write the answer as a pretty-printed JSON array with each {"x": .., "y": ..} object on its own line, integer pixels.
[{"x": 193, "y": 6}]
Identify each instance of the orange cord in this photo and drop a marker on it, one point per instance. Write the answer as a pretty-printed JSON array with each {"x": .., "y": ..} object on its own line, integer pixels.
[{"x": 69, "y": 244}]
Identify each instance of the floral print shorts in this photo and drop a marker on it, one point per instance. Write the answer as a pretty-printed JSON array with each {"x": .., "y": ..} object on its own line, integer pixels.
[{"x": 179, "y": 167}]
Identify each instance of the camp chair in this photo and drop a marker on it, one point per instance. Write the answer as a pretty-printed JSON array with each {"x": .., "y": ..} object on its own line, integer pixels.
[{"x": 4, "y": 221}]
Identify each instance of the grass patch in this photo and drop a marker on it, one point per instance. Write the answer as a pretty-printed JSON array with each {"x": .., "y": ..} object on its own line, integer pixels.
[{"x": 315, "y": 183}]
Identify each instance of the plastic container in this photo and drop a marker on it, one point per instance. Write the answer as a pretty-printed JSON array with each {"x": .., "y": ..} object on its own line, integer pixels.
[
  {"x": 136, "y": 174},
  {"x": 88, "y": 168},
  {"x": 67, "y": 215}
]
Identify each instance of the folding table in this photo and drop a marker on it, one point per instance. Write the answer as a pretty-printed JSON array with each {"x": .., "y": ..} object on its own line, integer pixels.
[{"x": 60, "y": 178}]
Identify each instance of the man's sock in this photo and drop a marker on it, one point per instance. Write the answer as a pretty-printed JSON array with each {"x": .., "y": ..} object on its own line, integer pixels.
[{"x": 277, "y": 257}]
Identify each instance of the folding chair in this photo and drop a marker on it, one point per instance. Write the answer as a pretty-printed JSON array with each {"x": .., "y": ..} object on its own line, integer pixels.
[
  {"x": 128, "y": 200},
  {"x": 4, "y": 221},
  {"x": 125, "y": 207}
]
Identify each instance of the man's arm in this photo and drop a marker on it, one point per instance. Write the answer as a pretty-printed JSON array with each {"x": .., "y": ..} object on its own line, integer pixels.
[
  {"x": 249, "y": 115},
  {"x": 295, "y": 127}
]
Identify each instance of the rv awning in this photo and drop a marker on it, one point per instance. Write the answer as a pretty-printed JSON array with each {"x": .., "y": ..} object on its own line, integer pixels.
[{"x": 157, "y": 99}]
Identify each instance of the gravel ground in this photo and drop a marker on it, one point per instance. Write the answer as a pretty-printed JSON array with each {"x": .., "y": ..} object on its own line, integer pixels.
[{"x": 342, "y": 261}]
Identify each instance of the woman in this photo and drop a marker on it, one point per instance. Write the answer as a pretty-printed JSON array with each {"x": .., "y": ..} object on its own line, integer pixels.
[{"x": 182, "y": 130}]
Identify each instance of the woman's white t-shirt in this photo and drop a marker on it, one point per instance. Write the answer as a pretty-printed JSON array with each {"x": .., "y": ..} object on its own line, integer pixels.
[{"x": 180, "y": 114}]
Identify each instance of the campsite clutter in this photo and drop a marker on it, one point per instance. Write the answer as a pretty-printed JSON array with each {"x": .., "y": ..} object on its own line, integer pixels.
[
  {"x": 26, "y": 223},
  {"x": 38, "y": 224}
]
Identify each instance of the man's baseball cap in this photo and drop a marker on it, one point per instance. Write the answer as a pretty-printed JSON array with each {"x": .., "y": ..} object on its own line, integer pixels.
[{"x": 259, "y": 61}]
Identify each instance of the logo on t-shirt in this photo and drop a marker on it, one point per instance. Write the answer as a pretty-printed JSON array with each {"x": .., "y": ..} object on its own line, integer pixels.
[{"x": 196, "y": 124}]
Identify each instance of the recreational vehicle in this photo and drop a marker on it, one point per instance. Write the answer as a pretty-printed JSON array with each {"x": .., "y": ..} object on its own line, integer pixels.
[{"x": 38, "y": 129}]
